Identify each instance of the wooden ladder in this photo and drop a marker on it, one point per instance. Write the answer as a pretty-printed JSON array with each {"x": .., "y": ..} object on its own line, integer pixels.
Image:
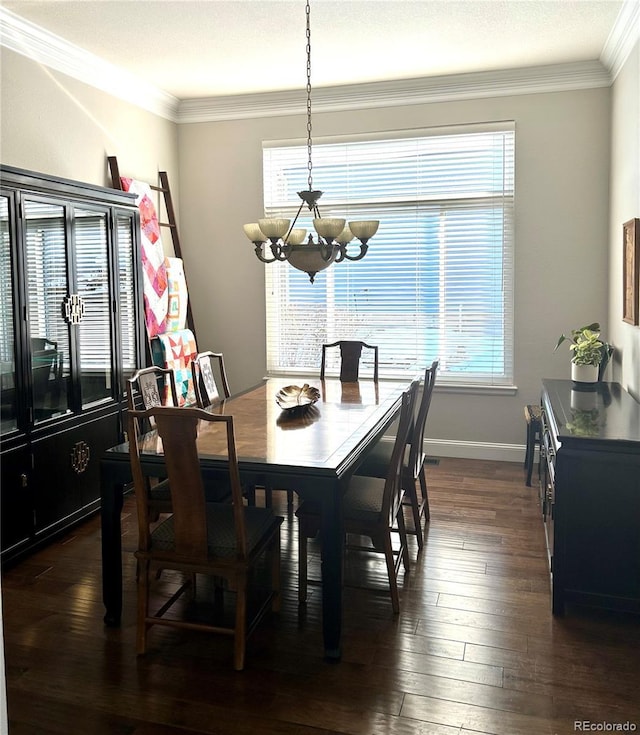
[{"x": 170, "y": 224}]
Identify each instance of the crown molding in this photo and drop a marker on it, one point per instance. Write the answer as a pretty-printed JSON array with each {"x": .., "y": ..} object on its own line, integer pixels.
[
  {"x": 623, "y": 37},
  {"x": 54, "y": 52},
  {"x": 527, "y": 80},
  {"x": 30, "y": 40}
]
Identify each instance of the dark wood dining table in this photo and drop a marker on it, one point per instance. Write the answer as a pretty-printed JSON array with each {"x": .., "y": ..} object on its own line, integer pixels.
[{"x": 313, "y": 452}]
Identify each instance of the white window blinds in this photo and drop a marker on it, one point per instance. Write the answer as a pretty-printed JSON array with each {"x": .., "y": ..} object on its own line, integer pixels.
[{"x": 437, "y": 281}]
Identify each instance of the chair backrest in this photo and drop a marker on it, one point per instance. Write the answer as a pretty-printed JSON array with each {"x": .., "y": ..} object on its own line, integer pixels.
[
  {"x": 204, "y": 380},
  {"x": 416, "y": 438},
  {"x": 178, "y": 429},
  {"x": 151, "y": 387},
  {"x": 393, "y": 483},
  {"x": 350, "y": 353},
  {"x": 43, "y": 343},
  {"x": 45, "y": 364}
]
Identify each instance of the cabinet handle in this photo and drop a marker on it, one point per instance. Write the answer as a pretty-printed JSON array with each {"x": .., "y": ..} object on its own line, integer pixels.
[
  {"x": 80, "y": 456},
  {"x": 24, "y": 480},
  {"x": 73, "y": 309}
]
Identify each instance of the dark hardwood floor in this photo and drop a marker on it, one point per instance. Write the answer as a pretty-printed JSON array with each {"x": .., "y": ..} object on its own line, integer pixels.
[{"x": 474, "y": 650}]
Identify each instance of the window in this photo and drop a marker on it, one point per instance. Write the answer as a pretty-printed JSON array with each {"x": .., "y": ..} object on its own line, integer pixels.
[{"x": 437, "y": 281}]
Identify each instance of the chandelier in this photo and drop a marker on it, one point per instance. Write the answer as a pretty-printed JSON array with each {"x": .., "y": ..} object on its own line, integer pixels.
[{"x": 280, "y": 239}]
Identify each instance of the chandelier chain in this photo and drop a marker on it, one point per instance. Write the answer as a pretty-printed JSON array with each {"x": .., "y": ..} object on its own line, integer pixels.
[
  {"x": 309, "y": 144},
  {"x": 278, "y": 239}
]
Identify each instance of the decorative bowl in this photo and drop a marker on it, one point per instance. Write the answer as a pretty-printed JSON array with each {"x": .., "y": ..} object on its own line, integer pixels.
[{"x": 293, "y": 396}]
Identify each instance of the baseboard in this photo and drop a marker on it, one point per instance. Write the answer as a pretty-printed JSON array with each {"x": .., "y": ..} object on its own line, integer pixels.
[{"x": 474, "y": 450}]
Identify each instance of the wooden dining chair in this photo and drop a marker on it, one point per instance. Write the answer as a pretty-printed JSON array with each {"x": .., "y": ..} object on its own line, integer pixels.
[
  {"x": 226, "y": 541},
  {"x": 150, "y": 387},
  {"x": 207, "y": 394},
  {"x": 372, "y": 507},
  {"x": 413, "y": 466},
  {"x": 350, "y": 354},
  {"x": 206, "y": 387},
  {"x": 147, "y": 388}
]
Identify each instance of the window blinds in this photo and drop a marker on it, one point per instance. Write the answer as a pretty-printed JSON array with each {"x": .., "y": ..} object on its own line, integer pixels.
[{"x": 437, "y": 281}]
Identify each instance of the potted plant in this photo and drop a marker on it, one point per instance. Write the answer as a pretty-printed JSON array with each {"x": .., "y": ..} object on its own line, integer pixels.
[{"x": 590, "y": 354}]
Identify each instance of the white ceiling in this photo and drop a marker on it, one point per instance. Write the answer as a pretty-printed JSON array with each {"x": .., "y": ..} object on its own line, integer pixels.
[{"x": 204, "y": 48}]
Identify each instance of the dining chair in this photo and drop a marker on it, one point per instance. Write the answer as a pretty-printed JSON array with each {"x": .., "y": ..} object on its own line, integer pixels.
[
  {"x": 413, "y": 466},
  {"x": 350, "y": 353},
  {"x": 226, "y": 541},
  {"x": 372, "y": 507},
  {"x": 206, "y": 388},
  {"x": 207, "y": 394},
  {"x": 147, "y": 388}
]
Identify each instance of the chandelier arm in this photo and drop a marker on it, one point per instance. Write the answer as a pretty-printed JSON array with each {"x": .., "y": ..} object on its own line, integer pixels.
[
  {"x": 363, "y": 251},
  {"x": 342, "y": 253},
  {"x": 327, "y": 250},
  {"x": 260, "y": 256},
  {"x": 280, "y": 252}
]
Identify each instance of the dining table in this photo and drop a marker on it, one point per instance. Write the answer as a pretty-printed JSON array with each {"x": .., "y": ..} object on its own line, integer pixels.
[{"x": 312, "y": 449}]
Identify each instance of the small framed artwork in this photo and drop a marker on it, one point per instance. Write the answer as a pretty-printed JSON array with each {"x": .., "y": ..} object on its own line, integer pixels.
[{"x": 631, "y": 271}]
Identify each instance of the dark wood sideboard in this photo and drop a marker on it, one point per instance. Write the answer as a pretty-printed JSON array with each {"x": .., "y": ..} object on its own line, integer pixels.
[{"x": 590, "y": 494}]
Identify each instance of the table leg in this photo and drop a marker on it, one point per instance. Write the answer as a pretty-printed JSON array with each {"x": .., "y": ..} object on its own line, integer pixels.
[
  {"x": 332, "y": 537},
  {"x": 110, "y": 511}
]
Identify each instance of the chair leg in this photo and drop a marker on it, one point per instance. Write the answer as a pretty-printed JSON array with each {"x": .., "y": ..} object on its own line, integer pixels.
[
  {"x": 250, "y": 493},
  {"x": 240, "y": 635},
  {"x": 143, "y": 606},
  {"x": 415, "y": 509},
  {"x": 391, "y": 571},
  {"x": 404, "y": 548},
  {"x": 302, "y": 565},
  {"x": 275, "y": 575},
  {"x": 422, "y": 477},
  {"x": 530, "y": 451}
]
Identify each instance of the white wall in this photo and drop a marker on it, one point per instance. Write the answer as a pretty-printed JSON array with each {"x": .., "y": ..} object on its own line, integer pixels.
[
  {"x": 625, "y": 205},
  {"x": 60, "y": 126},
  {"x": 55, "y": 124},
  {"x": 562, "y": 194}
]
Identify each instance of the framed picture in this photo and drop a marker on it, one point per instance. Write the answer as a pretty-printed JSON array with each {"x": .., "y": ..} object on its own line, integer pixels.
[{"x": 631, "y": 271}]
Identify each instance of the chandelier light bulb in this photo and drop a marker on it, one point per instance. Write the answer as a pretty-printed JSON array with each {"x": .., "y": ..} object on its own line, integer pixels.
[
  {"x": 345, "y": 237},
  {"x": 329, "y": 228},
  {"x": 296, "y": 236},
  {"x": 274, "y": 228},
  {"x": 254, "y": 233},
  {"x": 364, "y": 229}
]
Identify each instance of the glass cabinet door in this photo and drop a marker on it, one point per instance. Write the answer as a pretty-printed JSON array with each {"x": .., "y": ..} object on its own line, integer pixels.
[
  {"x": 46, "y": 291},
  {"x": 92, "y": 286},
  {"x": 127, "y": 295},
  {"x": 7, "y": 331}
]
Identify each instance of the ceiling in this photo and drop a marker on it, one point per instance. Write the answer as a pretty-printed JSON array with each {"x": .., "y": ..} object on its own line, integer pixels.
[{"x": 206, "y": 48}]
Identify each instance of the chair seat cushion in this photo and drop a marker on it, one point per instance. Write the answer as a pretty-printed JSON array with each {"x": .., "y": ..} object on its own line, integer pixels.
[
  {"x": 377, "y": 461},
  {"x": 160, "y": 492},
  {"x": 363, "y": 499},
  {"x": 221, "y": 535},
  {"x": 216, "y": 489}
]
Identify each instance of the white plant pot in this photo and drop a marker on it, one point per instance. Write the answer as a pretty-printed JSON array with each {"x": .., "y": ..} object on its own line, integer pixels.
[{"x": 584, "y": 373}]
